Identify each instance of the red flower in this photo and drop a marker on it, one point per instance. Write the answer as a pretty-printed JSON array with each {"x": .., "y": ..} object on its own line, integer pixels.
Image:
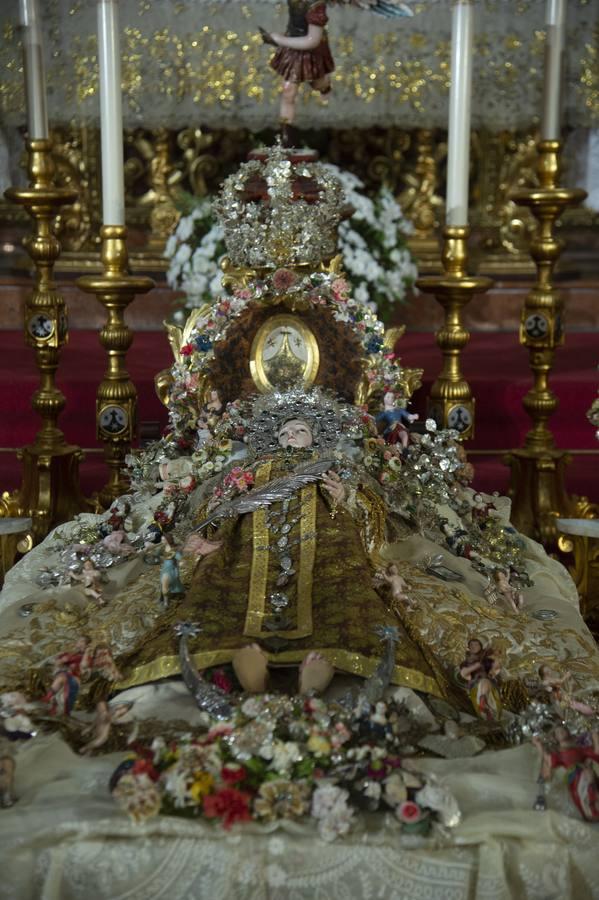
[
  {"x": 145, "y": 767},
  {"x": 232, "y": 774},
  {"x": 187, "y": 349},
  {"x": 222, "y": 680},
  {"x": 409, "y": 812},
  {"x": 228, "y": 804}
]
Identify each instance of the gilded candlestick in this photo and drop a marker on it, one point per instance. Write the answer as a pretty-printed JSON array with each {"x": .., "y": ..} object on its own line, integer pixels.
[
  {"x": 451, "y": 403},
  {"x": 49, "y": 492},
  {"x": 116, "y": 398},
  {"x": 537, "y": 469}
]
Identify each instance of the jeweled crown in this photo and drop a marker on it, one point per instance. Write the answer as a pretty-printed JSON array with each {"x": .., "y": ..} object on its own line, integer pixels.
[{"x": 281, "y": 208}]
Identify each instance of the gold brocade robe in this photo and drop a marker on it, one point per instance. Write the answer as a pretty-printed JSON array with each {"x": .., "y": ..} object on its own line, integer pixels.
[{"x": 331, "y": 604}]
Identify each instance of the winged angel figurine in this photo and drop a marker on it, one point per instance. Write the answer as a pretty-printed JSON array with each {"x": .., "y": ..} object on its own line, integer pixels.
[{"x": 303, "y": 53}]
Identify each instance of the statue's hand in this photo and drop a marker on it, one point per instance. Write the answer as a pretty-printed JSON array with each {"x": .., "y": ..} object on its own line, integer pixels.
[
  {"x": 199, "y": 546},
  {"x": 334, "y": 486}
]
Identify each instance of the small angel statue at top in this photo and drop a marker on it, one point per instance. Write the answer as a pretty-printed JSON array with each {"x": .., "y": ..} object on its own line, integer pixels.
[{"x": 303, "y": 53}]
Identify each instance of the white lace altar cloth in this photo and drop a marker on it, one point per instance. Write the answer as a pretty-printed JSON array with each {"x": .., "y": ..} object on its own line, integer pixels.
[
  {"x": 65, "y": 839},
  {"x": 188, "y": 62}
]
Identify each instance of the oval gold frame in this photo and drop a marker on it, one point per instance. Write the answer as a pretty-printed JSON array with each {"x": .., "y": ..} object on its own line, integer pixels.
[{"x": 311, "y": 365}]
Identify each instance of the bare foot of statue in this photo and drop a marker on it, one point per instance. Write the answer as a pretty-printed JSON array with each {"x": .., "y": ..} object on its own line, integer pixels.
[
  {"x": 315, "y": 674},
  {"x": 251, "y": 667}
]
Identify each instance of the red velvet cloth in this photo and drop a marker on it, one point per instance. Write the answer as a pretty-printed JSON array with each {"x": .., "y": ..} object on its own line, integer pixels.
[{"x": 494, "y": 364}]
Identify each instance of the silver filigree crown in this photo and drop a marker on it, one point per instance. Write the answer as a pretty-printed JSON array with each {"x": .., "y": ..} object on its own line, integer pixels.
[
  {"x": 286, "y": 226},
  {"x": 328, "y": 418}
]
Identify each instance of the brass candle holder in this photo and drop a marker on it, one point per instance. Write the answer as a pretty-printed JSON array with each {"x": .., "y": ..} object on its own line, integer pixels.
[
  {"x": 537, "y": 483},
  {"x": 116, "y": 398},
  {"x": 451, "y": 403},
  {"x": 49, "y": 491}
]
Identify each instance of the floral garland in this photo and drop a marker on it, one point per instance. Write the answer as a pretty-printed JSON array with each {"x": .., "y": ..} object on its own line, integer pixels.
[
  {"x": 318, "y": 289},
  {"x": 287, "y": 758},
  {"x": 379, "y": 265}
]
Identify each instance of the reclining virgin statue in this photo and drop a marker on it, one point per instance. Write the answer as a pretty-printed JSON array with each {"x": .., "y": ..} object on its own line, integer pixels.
[{"x": 283, "y": 541}]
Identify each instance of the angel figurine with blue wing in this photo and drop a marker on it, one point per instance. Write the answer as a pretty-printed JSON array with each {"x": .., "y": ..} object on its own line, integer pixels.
[{"x": 303, "y": 53}]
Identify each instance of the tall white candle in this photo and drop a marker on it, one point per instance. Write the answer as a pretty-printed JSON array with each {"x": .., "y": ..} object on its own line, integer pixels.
[
  {"x": 458, "y": 141},
  {"x": 111, "y": 114},
  {"x": 33, "y": 65},
  {"x": 555, "y": 21}
]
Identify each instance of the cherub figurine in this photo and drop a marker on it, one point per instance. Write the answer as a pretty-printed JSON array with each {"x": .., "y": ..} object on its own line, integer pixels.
[
  {"x": 303, "y": 53},
  {"x": 398, "y": 586},
  {"x": 393, "y": 419},
  {"x": 480, "y": 670},
  {"x": 105, "y": 718},
  {"x": 170, "y": 578},
  {"x": 74, "y": 666},
  {"x": 580, "y": 763},
  {"x": 556, "y": 687},
  {"x": 513, "y": 597},
  {"x": 70, "y": 667},
  {"x": 91, "y": 579}
]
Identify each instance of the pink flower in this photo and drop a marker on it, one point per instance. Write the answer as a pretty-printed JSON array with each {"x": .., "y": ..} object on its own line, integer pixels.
[
  {"x": 340, "y": 289},
  {"x": 409, "y": 812},
  {"x": 218, "y": 730},
  {"x": 283, "y": 279},
  {"x": 244, "y": 294},
  {"x": 228, "y": 804}
]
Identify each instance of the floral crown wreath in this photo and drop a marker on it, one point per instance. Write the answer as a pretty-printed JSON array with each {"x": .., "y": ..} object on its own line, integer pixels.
[{"x": 327, "y": 417}]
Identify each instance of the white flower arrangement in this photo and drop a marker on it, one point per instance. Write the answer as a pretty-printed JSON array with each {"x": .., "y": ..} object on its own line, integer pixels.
[
  {"x": 195, "y": 250},
  {"x": 372, "y": 243}
]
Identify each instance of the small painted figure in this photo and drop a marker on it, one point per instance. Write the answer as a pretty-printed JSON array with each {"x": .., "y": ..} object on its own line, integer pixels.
[
  {"x": 480, "y": 670},
  {"x": 170, "y": 578},
  {"x": 118, "y": 544},
  {"x": 580, "y": 763},
  {"x": 560, "y": 696},
  {"x": 393, "y": 421},
  {"x": 70, "y": 667},
  {"x": 91, "y": 579},
  {"x": 7, "y": 780},
  {"x": 512, "y": 596},
  {"x": 105, "y": 718},
  {"x": 390, "y": 575},
  {"x": 74, "y": 666},
  {"x": 303, "y": 55}
]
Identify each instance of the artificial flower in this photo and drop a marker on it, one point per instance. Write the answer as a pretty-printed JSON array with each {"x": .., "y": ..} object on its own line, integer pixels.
[
  {"x": 202, "y": 784},
  {"x": 281, "y": 799},
  {"x": 138, "y": 796},
  {"x": 228, "y": 804},
  {"x": 408, "y": 812}
]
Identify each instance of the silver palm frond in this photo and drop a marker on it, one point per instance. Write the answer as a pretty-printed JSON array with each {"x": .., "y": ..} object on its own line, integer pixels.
[{"x": 278, "y": 489}]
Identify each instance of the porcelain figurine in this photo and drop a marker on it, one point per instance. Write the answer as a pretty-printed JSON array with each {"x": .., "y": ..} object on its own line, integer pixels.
[
  {"x": 393, "y": 421},
  {"x": 512, "y": 596},
  {"x": 580, "y": 763},
  {"x": 91, "y": 580},
  {"x": 480, "y": 670},
  {"x": 557, "y": 689},
  {"x": 170, "y": 577}
]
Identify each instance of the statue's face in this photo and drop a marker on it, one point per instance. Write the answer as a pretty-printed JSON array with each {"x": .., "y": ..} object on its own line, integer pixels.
[{"x": 295, "y": 433}]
